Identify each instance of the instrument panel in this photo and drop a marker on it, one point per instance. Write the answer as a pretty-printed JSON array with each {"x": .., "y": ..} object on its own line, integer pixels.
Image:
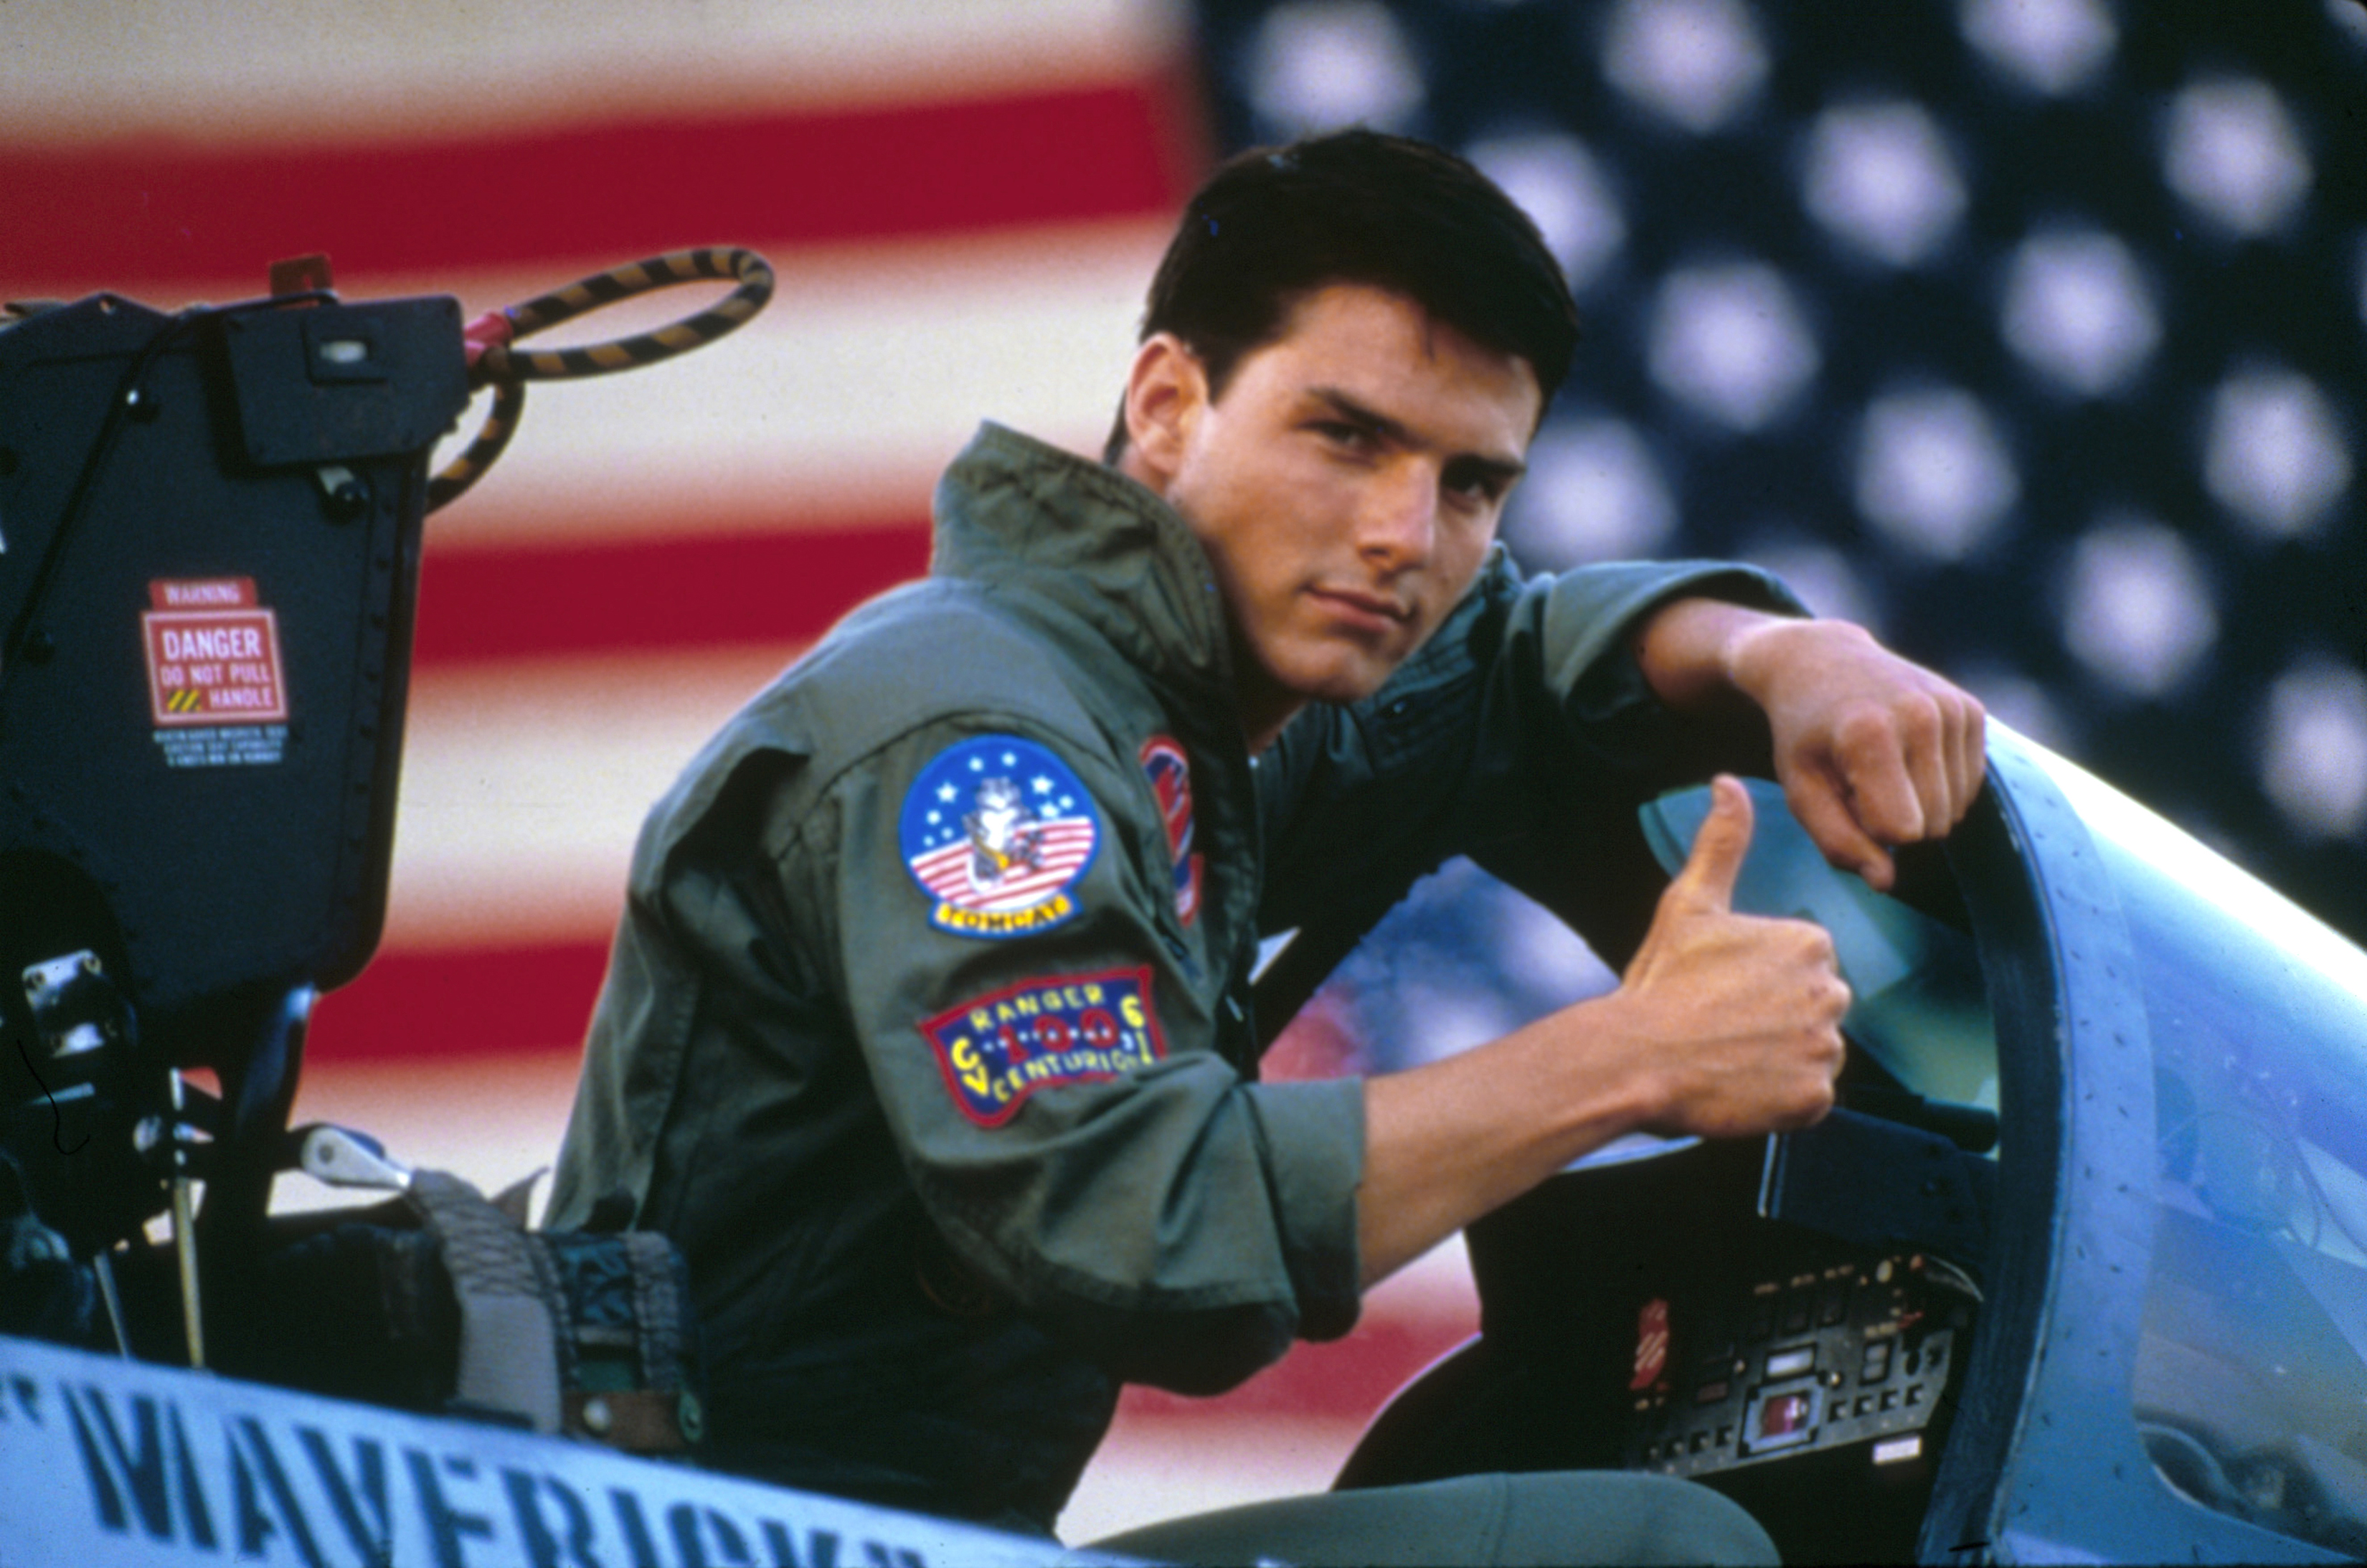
[{"x": 1859, "y": 1351}]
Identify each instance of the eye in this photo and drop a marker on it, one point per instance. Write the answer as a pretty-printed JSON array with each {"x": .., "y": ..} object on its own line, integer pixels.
[
  {"x": 1474, "y": 483},
  {"x": 1343, "y": 434}
]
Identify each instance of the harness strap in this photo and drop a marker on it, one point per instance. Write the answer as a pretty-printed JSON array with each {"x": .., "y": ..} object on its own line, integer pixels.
[
  {"x": 659, "y": 1312},
  {"x": 515, "y": 1353}
]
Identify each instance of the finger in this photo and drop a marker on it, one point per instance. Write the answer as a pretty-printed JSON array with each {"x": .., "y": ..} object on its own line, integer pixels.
[
  {"x": 1972, "y": 753},
  {"x": 1707, "y": 880},
  {"x": 1822, "y": 812},
  {"x": 1953, "y": 763},
  {"x": 1934, "y": 781},
  {"x": 1871, "y": 754}
]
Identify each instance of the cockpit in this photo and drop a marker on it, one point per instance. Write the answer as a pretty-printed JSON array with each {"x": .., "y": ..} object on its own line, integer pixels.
[{"x": 2078, "y": 1268}]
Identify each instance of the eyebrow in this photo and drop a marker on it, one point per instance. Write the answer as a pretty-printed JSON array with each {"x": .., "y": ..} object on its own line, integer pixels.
[{"x": 1504, "y": 471}]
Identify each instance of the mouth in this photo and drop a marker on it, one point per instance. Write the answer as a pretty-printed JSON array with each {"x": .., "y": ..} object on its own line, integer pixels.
[{"x": 1375, "y": 611}]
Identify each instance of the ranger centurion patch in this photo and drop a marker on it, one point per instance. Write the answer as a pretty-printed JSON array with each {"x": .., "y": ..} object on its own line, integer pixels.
[
  {"x": 996, "y": 830},
  {"x": 1003, "y": 1047}
]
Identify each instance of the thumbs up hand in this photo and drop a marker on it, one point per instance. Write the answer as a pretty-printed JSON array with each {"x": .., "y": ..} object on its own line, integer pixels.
[
  {"x": 1745, "y": 1012},
  {"x": 1726, "y": 1025}
]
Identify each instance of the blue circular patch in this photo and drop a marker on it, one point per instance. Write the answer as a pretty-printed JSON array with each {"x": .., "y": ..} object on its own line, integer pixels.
[{"x": 996, "y": 830}]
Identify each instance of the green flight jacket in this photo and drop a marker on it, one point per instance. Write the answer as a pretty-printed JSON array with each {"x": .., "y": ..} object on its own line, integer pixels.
[{"x": 921, "y": 1273}]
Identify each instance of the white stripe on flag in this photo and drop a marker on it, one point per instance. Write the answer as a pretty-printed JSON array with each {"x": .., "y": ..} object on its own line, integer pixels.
[
  {"x": 315, "y": 69},
  {"x": 858, "y": 384},
  {"x": 1067, "y": 843}
]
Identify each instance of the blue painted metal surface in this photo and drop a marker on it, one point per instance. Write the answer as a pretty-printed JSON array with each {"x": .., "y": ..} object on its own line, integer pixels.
[
  {"x": 2074, "y": 1481},
  {"x": 110, "y": 1462}
]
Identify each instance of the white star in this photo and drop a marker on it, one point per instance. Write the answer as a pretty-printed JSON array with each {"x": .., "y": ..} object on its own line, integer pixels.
[
  {"x": 1042, "y": 785},
  {"x": 935, "y": 817},
  {"x": 947, "y": 792},
  {"x": 977, "y": 765},
  {"x": 1009, "y": 760}
]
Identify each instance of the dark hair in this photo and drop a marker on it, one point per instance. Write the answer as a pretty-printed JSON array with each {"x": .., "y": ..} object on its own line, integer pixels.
[{"x": 1274, "y": 224}]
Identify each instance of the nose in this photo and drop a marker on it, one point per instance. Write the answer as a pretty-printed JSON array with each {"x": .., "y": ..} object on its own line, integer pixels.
[{"x": 1398, "y": 526}]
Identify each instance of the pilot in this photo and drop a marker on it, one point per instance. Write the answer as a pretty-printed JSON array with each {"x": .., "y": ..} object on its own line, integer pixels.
[{"x": 926, "y": 1033}]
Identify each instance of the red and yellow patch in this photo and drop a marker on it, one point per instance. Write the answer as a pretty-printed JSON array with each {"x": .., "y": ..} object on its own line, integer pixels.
[{"x": 996, "y": 1050}]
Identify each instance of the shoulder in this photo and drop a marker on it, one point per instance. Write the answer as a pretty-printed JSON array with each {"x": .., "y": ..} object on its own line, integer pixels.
[
  {"x": 936, "y": 653},
  {"x": 900, "y": 678}
]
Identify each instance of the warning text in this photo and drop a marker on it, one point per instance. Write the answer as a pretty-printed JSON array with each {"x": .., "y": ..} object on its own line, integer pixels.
[{"x": 214, "y": 667}]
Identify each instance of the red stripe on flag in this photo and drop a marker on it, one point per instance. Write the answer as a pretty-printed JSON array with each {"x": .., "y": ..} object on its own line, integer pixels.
[
  {"x": 149, "y": 208},
  {"x": 953, "y": 884},
  {"x": 468, "y": 1003},
  {"x": 573, "y": 598}
]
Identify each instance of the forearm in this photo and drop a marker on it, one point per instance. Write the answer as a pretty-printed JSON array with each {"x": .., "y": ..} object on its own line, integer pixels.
[
  {"x": 1700, "y": 655},
  {"x": 1448, "y": 1143}
]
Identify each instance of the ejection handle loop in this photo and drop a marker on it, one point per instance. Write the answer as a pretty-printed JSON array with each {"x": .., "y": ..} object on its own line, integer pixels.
[{"x": 492, "y": 360}]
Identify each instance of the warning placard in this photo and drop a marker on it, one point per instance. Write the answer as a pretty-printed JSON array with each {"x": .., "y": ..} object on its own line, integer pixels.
[{"x": 213, "y": 654}]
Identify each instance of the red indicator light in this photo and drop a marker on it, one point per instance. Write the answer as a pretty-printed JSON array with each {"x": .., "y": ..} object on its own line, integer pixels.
[
  {"x": 1651, "y": 1344},
  {"x": 1783, "y": 1415}
]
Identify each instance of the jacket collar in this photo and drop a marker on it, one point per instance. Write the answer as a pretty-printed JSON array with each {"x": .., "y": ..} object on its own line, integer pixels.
[{"x": 1012, "y": 510}]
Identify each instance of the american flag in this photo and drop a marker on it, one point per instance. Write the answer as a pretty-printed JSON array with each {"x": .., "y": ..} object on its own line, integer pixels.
[
  {"x": 964, "y": 201},
  {"x": 958, "y": 873}
]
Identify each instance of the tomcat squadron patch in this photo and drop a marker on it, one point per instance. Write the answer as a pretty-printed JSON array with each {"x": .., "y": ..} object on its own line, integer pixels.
[{"x": 997, "y": 830}]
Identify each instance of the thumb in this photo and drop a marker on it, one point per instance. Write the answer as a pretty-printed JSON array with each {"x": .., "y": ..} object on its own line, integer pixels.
[{"x": 1708, "y": 880}]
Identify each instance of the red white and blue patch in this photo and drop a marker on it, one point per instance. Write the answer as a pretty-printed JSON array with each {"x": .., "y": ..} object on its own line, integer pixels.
[
  {"x": 1003, "y": 1047},
  {"x": 997, "y": 830},
  {"x": 1170, "y": 772}
]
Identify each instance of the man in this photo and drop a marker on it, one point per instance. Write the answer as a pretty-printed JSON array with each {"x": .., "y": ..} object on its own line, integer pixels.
[{"x": 927, "y": 1031}]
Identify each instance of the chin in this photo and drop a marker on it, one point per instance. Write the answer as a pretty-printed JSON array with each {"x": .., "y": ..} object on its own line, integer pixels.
[
  {"x": 1333, "y": 672},
  {"x": 1343, "y": 688}
]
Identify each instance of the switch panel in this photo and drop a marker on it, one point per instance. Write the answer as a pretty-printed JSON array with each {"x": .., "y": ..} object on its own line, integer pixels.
[{"x": 1856, "y": 1351}]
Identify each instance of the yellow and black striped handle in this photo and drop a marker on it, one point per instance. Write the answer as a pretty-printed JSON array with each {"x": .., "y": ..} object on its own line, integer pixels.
[
  {"x": 495, "y": 362},
  {"x": 753, "y": 273},
  {"x": 492, "y": 438}
]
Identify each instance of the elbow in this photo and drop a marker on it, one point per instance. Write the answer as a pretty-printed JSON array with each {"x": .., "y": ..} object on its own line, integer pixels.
[{"x": 1196, "y": 1352}]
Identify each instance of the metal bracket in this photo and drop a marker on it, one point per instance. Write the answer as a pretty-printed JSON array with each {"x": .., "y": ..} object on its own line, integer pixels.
[{"x": 1882, "y": 1184}]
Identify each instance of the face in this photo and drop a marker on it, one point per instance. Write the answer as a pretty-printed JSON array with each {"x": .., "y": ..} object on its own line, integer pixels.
[{"x": 1346, "y": 486}]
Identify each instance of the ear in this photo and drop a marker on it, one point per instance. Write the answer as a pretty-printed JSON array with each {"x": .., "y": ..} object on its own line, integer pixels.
[{"x": 1166, "y": 395}]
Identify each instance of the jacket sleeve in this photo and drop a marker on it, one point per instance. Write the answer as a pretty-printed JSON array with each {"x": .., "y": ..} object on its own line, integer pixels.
[
  {"x": 1052, "y": 1065},
  {"x": 1523, "y": 734}
]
